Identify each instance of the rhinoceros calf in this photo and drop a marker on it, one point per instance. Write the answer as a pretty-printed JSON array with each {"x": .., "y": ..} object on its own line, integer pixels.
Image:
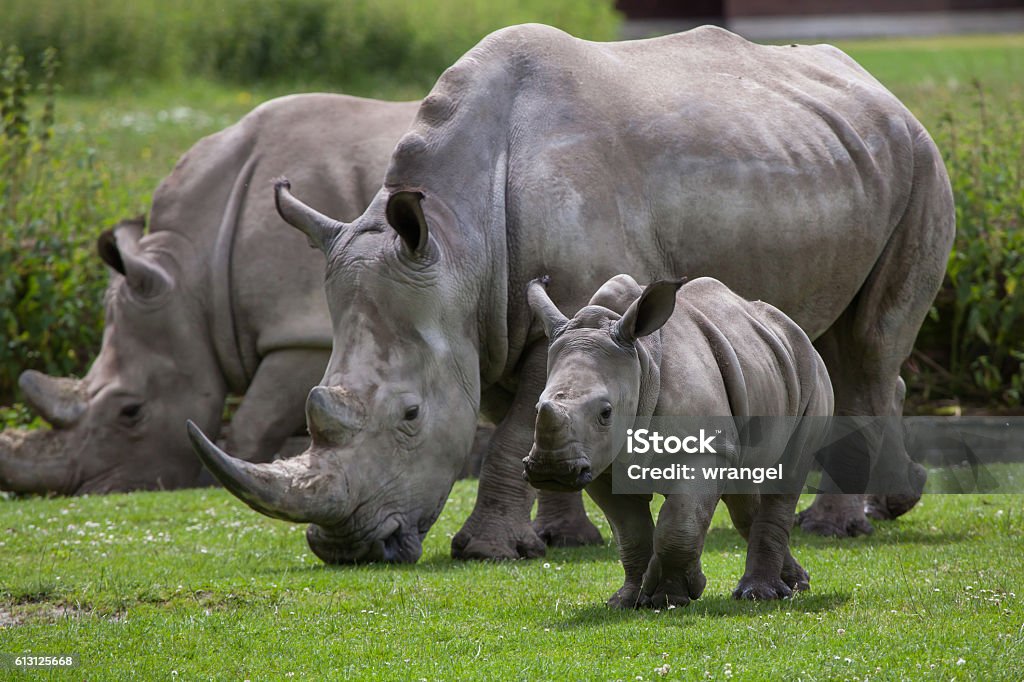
[
  {"x": 626, "y": 356},
  {"x": 788, "y": 173},
  {"x": 217, "y": 296}
]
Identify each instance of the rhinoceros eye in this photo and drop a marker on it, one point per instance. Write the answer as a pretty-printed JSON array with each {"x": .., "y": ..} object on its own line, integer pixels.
[
  {"x": 606, "y": 414},
  {"x": 411, "y": 413},
  {"x": 131, "y": 413}
]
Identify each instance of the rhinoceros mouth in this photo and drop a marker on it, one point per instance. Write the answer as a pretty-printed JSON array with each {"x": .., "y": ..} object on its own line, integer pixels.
[
  {"x": 391, "y": 542},
  {"x": 546, "y": 472},
  {"x": 569, "y": 484}
]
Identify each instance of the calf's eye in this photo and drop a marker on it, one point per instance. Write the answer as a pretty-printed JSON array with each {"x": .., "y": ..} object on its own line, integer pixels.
[
  {"x": 606, "y": 413},
  {"x": 411, "y": 413}
]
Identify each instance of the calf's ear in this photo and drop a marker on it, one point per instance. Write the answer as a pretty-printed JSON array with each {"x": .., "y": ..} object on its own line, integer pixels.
[
  {"x": 544, "y": 308},
  {"x": 649, "y": 312},
  {"x": 405, "y": 216},
  {"x": 119, "y": 248}
]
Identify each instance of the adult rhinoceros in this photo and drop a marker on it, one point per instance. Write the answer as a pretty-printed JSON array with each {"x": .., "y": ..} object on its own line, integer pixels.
[
  {"x": 788, "y": 173},
  {"x": 216, "y": 297}
]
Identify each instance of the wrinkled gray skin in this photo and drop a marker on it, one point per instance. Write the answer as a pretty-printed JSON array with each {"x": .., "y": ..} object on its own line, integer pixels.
[
  {"x": 218, "y": 296},
  {"x": 626, "y": 355},
  {"x": 788, "y": 173}
]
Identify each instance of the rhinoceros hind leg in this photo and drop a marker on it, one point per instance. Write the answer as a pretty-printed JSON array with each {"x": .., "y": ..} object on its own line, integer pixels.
[
  {"x": 870, "y": 340},
  {"x": 562, "y": 521},
  {"x": 839, "y": 516}
]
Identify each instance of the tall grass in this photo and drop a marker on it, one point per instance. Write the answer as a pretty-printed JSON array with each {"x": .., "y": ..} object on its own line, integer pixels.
[{"x": 345, "y": 42}]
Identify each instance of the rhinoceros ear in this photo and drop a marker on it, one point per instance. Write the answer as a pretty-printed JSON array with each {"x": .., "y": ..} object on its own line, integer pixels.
[
  {"x": 405, "y": 216},
  {"x": 106, "y": 245},
  {"x": 119, "y": 248},
  {"x": 648, "y": 313},
  {"x": 544, "y": 308}
]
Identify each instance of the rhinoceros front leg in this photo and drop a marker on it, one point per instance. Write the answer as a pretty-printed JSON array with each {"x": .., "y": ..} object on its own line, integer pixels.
[
  {"x": 499, "y": 527},
  {"x": 630, "y": 518},
  {"x": 274, "y": 405},
  {"x": 771, "y": 570},
  {"x": 674, "y": 576}
]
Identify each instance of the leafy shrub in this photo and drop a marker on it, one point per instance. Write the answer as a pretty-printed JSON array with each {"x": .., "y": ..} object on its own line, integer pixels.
[
  {"x": 345, "y": 42},
  {"x": 973, "y": 344},
  {"x": 50, "y": 193}
]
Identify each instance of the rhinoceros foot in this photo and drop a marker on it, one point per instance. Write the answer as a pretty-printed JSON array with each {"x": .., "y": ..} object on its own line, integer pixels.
[
  {"x": 571, "y": 532},
  {"x": 795, "y": 576},
  {"x": 887, "y": 507},
  {"x": 672, "y": 592},
  {"x": 670, "y": 586},
  {"x": 758, "y": 588},
  {"x": 840, "y": 516},
  {"x": 496, "y": 539},
  {"x": 626, "y": 597}
]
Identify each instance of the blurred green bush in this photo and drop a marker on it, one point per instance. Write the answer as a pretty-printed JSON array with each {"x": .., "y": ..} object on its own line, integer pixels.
[
  {"x": 53, "y": 198},
  {"x": 330, "y": 41},
  {"x": 972, "y": 347}
]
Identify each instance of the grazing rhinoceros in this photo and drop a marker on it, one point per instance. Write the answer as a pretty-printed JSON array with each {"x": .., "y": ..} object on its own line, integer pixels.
[
  {"x": 216, "y": 297},
  {"x": 788, "y": 173},
  {"x": 627, "y": 356}
]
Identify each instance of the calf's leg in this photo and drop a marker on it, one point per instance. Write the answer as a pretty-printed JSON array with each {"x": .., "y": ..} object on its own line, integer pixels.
[
  {"x": 764, "y": 522},
  {"x": 633, "y": 526},
  {"x": 674, "y": 576}
]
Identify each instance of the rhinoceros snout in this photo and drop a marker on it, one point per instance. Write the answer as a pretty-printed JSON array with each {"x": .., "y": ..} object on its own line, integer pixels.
[
  {"x": 402, "y": 546},
  {"x": 546, "y": 472}
]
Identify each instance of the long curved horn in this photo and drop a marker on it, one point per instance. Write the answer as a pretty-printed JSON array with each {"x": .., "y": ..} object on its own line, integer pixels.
[
  {"x": 59, "y": 400},
  {"x": 319, "y": 229},
  {"x": 301, "y": 489}
]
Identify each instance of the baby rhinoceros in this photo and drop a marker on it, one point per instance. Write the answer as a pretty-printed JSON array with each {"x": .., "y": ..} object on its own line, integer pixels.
[{"x": 627, "y": 356}]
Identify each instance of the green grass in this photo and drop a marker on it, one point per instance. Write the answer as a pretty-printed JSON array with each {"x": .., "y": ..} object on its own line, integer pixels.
[{"x": 194, "y": 582}]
